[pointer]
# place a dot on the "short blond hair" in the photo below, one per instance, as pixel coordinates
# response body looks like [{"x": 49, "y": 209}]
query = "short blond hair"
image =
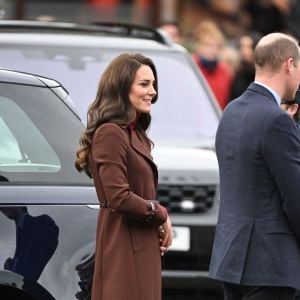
[{"x": 209, "y": 29}]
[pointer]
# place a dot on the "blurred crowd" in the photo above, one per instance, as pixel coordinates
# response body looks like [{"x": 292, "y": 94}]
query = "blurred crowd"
[
  {"x": 222, "y": 42},
  {"x": 220, "y": 34}
]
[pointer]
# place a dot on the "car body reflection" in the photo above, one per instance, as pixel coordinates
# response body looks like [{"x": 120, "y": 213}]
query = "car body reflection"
[{"x": 36, "y": 241}]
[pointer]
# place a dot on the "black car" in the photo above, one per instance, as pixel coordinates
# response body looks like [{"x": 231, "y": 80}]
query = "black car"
[
  {"x": 184, "y": 122},
  {"x": 47, "y": 212}
]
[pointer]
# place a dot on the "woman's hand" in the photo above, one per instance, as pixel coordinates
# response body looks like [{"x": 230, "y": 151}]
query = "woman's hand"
[{"x": 165, "y": 236}]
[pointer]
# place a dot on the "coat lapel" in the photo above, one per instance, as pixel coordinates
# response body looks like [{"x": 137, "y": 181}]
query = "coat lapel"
[
  {"x": 142, "y": 149},
  {"x": 138, "y": 145}
]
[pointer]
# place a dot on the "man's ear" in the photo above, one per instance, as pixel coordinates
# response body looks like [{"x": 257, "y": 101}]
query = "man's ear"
[{"x": 289, "y": 64}]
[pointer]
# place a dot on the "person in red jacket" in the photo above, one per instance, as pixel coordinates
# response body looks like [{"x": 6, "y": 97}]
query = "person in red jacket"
[{"x": 209, "y": 43}]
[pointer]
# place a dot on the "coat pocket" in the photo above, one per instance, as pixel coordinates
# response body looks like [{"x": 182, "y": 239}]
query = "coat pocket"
[
  {"x": 276, "y": 227},
  {"x": 139, "y": 236}
]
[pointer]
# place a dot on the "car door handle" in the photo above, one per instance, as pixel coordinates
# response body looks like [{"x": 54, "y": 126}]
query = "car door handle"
[{"x": 93, "y": 206}]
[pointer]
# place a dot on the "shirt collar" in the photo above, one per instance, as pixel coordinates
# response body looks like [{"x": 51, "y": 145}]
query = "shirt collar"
[{"x": 276, "y": 96}]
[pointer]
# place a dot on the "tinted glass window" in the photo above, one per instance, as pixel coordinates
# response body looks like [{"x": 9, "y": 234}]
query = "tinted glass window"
[
  {"x": 38, "y": 137},
  {"x": 22, "y": 146},
  {"x": 183, "y": 115},
  {"x": 9, "y": 149}
]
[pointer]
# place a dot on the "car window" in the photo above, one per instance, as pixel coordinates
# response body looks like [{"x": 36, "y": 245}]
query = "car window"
[
  {"x": 184, "y": 114},
  {"x": 38, "y": 137},
  {"x": 22, "y": 146},
  {"x": 9, "y": 149}
]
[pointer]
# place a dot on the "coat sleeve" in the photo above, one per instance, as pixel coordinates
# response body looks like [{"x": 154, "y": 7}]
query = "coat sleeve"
[
  {"x": 281, "y": 150},
  {"x": 109, "y": 153}
]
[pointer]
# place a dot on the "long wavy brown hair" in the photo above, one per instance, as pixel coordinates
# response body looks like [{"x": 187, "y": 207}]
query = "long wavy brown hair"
[{"x": 112, "y": 104}]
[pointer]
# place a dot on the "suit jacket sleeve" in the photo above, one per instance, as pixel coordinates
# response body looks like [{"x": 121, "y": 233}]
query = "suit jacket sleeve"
[
  {"x": 109, "y": 153},
  {"x": 281, "y": 149}
]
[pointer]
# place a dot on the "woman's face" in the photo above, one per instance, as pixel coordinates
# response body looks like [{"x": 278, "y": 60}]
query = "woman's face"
[
  {"x": 210, "y": 48},
  {"x": 247, "y": 49},
  {"x": 142, "y": 89}
]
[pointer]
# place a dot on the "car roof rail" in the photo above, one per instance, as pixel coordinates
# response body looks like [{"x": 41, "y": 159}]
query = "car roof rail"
[
  {"x": 19, "y": 24},
  {"x": 114, "y": 28},
  {"x": 134, "y": 30}
]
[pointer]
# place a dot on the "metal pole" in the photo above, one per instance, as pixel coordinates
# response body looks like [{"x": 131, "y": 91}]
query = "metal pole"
[
  {"x": 168, "y": 10},
  {"x": 20, "y": 9}
]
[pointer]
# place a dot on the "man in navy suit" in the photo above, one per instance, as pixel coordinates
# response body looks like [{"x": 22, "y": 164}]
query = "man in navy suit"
[{"x": 256, "y": 252}]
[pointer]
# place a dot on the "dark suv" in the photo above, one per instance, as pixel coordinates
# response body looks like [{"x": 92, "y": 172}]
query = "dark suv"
[
  {"x": 185, "y": 119},
  {"x": 47, "y": 211}
]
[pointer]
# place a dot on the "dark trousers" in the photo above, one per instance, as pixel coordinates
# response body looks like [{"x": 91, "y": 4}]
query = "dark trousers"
[{"x": 245, "y": 292}]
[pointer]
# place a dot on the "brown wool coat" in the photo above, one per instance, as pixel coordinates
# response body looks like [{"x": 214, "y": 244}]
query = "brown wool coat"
[{"x": 127, "y": 262}]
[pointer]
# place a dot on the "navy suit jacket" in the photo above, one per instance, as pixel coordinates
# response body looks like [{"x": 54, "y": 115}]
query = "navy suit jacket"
[{"x": 258, "y": 231}]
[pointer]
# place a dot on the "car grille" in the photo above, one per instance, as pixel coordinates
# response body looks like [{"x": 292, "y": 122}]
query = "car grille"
[
  {"x": 186, "y": 261},
  {"x": 186, "y": 198}
]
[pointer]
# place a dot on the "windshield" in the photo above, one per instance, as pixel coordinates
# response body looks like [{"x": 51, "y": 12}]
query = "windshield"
[{"x": 183, "y": 116}]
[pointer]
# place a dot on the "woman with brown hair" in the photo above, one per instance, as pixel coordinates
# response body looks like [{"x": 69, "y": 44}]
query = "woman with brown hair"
[{"x": 133, "y": 229}]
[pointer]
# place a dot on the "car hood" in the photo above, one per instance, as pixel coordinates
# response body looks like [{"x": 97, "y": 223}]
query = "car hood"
[{"x": 190, "y": 165}]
